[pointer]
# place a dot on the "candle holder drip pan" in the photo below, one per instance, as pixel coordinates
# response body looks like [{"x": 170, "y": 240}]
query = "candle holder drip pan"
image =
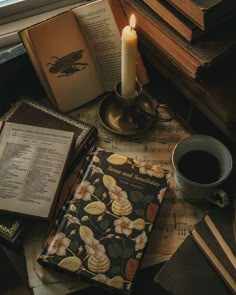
[{"x": 127, "y": 116}]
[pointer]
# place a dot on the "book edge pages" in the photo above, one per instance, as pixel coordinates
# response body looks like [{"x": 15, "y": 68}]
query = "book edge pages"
[
  {"x": 224, "y": 246},
  {"x": 228, "y": 279}
]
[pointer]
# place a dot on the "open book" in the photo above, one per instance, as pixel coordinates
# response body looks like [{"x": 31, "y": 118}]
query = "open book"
[
  {"x": 77, "y": 54},
  {"x": 33, "y": 117},
  {"x": 33, "y": 161}
]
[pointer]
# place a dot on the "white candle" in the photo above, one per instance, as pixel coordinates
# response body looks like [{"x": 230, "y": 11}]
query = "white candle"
[{"x": 128, "y": 60}]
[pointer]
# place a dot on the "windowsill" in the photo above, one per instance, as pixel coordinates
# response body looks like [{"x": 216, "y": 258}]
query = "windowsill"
[{"x": 9, "y": 31}]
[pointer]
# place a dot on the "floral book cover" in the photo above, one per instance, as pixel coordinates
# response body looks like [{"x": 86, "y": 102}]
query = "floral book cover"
[{"x": 103, "y": 230}]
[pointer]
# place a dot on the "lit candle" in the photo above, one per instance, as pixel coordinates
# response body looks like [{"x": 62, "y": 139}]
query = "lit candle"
[{"x": 128, "y": 60}]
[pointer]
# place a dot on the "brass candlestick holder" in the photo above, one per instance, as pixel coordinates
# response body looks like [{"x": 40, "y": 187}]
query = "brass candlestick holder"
[{"x": 127, "y": 116}]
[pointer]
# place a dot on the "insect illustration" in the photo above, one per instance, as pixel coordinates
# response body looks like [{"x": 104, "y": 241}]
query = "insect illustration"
[{"x": 68, "y": 64}]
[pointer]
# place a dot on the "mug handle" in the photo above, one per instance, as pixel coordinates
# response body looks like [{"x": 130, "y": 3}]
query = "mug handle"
[{"x": 219, "y": 197}]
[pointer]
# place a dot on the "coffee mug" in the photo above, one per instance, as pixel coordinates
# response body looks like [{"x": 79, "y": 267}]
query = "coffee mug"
[{"x": 201, "y": 164}]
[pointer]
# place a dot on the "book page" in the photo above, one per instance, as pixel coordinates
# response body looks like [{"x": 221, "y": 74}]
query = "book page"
[
  {"x": 98, "y": 24},
  {"x": 32, "y": 160},
  {"x": 64, "y": 59}
]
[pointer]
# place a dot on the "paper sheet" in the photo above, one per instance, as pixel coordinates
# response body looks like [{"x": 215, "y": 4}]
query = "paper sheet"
[
  {"x": 176, "y": 216},
  {"x": 43, "y": 280}
]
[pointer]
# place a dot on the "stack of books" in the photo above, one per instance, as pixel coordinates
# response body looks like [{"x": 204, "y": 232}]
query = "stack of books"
[
  {"x": 193, "y": 46},
  {"x": 206, "y": 260}
]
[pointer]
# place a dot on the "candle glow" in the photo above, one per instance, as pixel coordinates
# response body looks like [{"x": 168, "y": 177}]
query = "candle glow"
[
  {"x": 128, "y": 60},
  {"x": 132, "y": 21}
]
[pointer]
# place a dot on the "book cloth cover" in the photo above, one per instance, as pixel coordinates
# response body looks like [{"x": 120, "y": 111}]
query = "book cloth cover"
[
  {"x": 103, "y": 231},
  {"x": 189, "y": 272},
  {"x": 214, "y": 236}
]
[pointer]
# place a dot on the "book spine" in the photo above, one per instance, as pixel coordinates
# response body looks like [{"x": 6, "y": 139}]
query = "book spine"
[
  {"x": 76, "y": 163},
  {"x": 76, "y": 175},
  {"x": 10, "y": 230}
]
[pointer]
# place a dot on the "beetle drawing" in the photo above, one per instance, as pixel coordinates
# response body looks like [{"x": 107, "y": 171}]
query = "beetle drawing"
[{"x": 68, "y": 64}]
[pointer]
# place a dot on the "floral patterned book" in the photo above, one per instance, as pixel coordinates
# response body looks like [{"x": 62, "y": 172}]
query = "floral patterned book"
[{"x": 102, "y": 232}]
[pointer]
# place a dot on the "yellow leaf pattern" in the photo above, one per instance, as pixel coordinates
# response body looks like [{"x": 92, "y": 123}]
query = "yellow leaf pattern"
[
  {"x": 70, "y": 263},
  {"x": 117, "y": 159},
  {"x": 123, "y": 207},
  {"x": 85, "y": 232},
  {"x": 108, "y": 181},
  {"x": 95, "y": 208},
  {"x": 98, "y": 264},
  {"x": 139, "y": 223}
]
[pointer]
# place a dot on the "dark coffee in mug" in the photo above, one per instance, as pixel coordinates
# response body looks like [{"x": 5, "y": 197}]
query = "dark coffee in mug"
[{"x": 200, "y": 166}]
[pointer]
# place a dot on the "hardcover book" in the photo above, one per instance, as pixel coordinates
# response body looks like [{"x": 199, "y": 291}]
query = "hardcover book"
[
  {"x": 205, "y": 97},
  {"x": 175, "y": 19},
  {"x": 103, "y": 231},
  {"x": 189, "y": 272},
  {"x": 77, "y": 49},
  {"x": 194, "y": 59},
  {"x": 215, "y": 237},
  {"x": 205, "y": 262},
  {"x": 205, "y": 13}
]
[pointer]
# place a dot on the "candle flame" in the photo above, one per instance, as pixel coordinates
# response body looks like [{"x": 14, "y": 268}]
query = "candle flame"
[{"x": 132, "y": 21}]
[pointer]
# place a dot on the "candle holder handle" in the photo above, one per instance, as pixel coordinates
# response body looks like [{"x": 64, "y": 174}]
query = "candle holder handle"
[{"x": 127, "y": 116}]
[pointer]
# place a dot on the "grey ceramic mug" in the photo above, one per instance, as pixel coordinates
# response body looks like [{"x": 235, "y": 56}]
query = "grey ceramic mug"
[{"x": 196, "y": 192}]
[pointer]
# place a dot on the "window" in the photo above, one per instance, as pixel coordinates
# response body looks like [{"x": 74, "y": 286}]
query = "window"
[
  {"x": 15, "y": 15},
  {"x": 11, "y": 10}
]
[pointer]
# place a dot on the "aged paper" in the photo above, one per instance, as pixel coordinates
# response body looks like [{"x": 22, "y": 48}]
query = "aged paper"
[
  {"x": 103, "y": 38},
  {"x": 32, "y": 161},
  {"x": 43, "y": 280},
  {"x": 176, "y": 216}
]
